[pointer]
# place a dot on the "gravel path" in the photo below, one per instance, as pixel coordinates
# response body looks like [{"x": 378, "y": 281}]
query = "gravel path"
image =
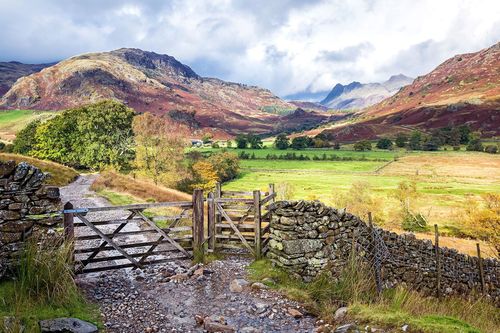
[{"x": 177, "y": 297}]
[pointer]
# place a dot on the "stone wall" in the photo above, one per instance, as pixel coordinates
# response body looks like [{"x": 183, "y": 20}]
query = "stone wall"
[
  {"x": 308, "y": 237},
  {"x": 24, "y": 203}
]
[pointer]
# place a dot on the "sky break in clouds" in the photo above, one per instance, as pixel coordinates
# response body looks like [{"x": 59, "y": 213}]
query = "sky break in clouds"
[{"x": 286, "y": 46}]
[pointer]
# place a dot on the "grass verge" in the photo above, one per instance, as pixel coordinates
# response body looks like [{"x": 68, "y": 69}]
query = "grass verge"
[
  {"x": 138, "y": 188},
  {"x": 44, "y": 289},
  {"x": 60, "y": 175},
  {"x": 392, "y": 309}
]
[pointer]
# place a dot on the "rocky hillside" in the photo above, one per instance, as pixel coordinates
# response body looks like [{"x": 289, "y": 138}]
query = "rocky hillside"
[
  {"x": 463, "y": 89},
  {"x": 357, "y": 95},
  {"x": 150, "y": 82},
  {"x": 13, "y": 70}
]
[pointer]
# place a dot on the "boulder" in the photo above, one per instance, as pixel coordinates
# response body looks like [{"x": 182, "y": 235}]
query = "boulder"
[
  {"x": 340, "y": 313},
  {"x": 237, "y": 285},
  {"x": 67, "y": 325},
  {"x": 7, "y": 168}
]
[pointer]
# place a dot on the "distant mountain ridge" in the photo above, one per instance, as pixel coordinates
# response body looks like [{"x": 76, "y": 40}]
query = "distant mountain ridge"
[
  {"x": 13, "y": 70},
  {"x": 464, "y": 89},
  {"x": 356, "y": 95},
  {"x": 156, "y": 83}
]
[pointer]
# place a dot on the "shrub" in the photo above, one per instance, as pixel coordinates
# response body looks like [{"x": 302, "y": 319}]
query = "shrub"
[
  {"x": 491, "y": 149},
  {"x": 336, "y": 146},
  {"x": 254, "y": 141},
  {"x": 215, "y": 145},
  {"x": 401, "y": 140},
  {"x": 225, "y": 164},
  {"x": 475, "y": 145},
  {"x": 384, "y": 143},
  {"x": 363, "y": 145},
  {"x": 282, "y": 142},
  {"x": 301, "y": 142},
  {"x": 456, "y": 148},
  {"x": 415, "y": 142},
  {"x": 241, "y": 141}
]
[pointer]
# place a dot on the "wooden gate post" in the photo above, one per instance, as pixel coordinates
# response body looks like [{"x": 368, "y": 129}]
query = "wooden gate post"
[
  {"x": 211, "y": 221},
  {"x": 480, "y": 266},
  {"x": 69, "y": 229},
  {"x": 198, "y": 236},
  {"x": 257, "y": 224},
  {"x": 271, "y": 191},
  {"x": 218, "y": 216},
  {"x": 438, "y": 262}
]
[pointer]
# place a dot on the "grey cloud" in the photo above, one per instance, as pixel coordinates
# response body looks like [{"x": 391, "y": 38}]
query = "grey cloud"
[{"x": 347, "y": 54}]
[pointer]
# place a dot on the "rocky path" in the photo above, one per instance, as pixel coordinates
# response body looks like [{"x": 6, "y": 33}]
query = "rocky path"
[{"x": 177, "y": 297}]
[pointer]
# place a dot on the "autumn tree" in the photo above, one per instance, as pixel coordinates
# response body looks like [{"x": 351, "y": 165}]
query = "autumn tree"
[{"x": 159, "y": 148}]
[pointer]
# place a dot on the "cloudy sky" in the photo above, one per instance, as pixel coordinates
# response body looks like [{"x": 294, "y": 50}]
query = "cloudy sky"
[{"x": 287, "y": 46}]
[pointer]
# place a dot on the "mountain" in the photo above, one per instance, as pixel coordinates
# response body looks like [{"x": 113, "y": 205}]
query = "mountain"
[
  {"x": 13, "y": 70},
  {"x": 464, "y": 89},
  {"x": 357, "y": 95},
  {"x": 156, "y": 83}
]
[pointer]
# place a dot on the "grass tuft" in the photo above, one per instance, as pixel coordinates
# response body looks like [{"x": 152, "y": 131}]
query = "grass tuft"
[
  {"x": 44, "y": 288},
  {"x": 355, "y": 288}
]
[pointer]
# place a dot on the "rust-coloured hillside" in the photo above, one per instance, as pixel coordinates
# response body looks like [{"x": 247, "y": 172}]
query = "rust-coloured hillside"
[
  {"x": 156, "y": 83},
  {"x": 463, "y": 89}
]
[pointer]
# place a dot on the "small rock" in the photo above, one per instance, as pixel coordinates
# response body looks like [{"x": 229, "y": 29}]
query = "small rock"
[
  {"x": 179, "y": 277},
  {"x": 217, "y": 324},
  {"x": 71, "y": 325},
  {"x": 294, "y": 313},
  {"x": 340, "y": 313},
  {"x": 237, "y": 285},
  {"x": 405, "y": 328},
  {"x": 249, "y": 329},
  {"x": 199, "y": 320},
  {"x": 259, "y": 285},
  {"x": 347, "y": 328}
]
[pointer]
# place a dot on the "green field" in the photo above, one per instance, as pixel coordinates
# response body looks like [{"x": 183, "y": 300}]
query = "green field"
[
  {"x": 370, "y": 155},
  {"x": 445, "y": 180},
  {"x": 12, "y": 121}
]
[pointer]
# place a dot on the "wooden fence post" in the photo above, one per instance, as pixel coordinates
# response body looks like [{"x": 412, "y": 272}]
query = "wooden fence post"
[
  {"x": 257, "y": 224},
  {"x": 376, "y": 262},
  {"x": 438, "y": 261},
  {"x": 211, "y": 221},
  {"x": 69, "y": 229},
  {"x": 198, "y": 236},
  {"x": 271, "y": 191},
  {"x": 480, "y": 266},
  {"x": 218, "y": 216}
]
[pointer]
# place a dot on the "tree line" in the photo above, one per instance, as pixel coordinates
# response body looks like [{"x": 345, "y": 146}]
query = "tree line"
[{"x": 109, "y": 134}]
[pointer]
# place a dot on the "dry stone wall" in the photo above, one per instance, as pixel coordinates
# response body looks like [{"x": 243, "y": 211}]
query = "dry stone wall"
[
  {"x": 24, "y": 204},
  {"x": 309, "y": 237}
]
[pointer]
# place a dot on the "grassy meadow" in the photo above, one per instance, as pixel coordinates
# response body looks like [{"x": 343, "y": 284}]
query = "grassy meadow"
[
  {"x": 445, "y": 182},
  {"x": 12, "y": 121}
]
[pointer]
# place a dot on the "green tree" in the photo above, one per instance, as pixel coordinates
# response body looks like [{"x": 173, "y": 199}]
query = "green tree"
[
  {"x": 465, "y": 133},
  {"x": 282, "y": 142},
  {"x": 300, "y": 142},
  {"x": 415, "y": 142},
  {"x": 384, "y": 143},
  {"x": 225, "y": 164},
  {"x": 475, "y": 145},
  {"x": 363, "y": 145},
  {"x": 25, "y": 140},
  {"x": 401, "y": 140},
  {"x": 432, "y": 143},
  {"x": 206, "y": 138},
  {"x": 241, "y": 141},
  {"x": 91, "y": 136},
  {"x": 254, "y": 141}
]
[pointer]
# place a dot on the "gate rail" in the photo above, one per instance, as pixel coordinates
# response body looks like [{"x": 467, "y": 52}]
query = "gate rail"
[{"x": 111, "y": 252}]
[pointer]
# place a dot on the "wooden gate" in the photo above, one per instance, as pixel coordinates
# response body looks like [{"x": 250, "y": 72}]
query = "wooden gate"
[
  {"x": 239, "y": 220},
  {"x": 133, "y": 239}
]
